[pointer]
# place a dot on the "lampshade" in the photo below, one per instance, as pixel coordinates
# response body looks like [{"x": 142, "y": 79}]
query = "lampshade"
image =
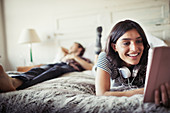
[{"x": 28, "y": 36}]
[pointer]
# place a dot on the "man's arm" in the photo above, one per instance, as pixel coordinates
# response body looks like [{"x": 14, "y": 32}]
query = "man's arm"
[
  {"x": 64, "y": 50},
  {"x": 86, "y": 65}
]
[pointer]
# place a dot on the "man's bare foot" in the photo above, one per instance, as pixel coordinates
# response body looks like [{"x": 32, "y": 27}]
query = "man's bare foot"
[{"x": 6, "y": 83}]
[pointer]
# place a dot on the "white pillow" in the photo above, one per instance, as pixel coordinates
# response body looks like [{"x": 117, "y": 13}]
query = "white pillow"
[
  {"x": 90, "y": 52},
  {"x": 59, "y": 55},
  {"x": 154, "y": 41}
]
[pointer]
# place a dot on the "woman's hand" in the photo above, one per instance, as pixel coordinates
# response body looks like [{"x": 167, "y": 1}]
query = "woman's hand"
[{"x": 162, "y": 95}]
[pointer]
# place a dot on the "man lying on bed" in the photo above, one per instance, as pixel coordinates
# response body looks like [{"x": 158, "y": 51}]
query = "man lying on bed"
[{"x": 71, "y": 61}]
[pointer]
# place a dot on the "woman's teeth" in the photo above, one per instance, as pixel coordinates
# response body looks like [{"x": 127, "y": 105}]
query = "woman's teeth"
[{"x": 132, "y": 55}]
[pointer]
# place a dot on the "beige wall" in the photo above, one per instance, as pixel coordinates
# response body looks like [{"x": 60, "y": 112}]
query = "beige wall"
[{"x": 50, "y": 17}]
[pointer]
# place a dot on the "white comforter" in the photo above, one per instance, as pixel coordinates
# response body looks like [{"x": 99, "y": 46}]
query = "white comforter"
[{"x": 72, "y": 93}]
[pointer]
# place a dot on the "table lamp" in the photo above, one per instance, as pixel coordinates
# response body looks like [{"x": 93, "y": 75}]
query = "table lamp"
[{"x": 29, "y": 36}]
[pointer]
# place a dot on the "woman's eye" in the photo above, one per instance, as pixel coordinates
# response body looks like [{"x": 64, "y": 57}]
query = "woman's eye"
[
  {"x": 126, "y": 43},
  {"x": 139, "y": 41}
]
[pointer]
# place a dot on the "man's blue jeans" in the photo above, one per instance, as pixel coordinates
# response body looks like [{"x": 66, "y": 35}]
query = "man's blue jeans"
[{"x": 43, "y": 73}]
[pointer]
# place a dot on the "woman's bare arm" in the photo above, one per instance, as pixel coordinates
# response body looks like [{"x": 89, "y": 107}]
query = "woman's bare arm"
[{"x": 102, "y": 84}]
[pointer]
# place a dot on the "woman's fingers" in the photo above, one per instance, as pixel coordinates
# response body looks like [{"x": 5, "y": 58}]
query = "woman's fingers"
[
  {"x": 164, "y": 95},
  {"x": 168, "y": 89},
  {"x": 157, "y": 97},
  {"x": 167, "y": 85}
]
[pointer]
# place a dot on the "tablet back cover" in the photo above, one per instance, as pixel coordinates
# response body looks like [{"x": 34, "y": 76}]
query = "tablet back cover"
[{"x": 158, "y": 72}]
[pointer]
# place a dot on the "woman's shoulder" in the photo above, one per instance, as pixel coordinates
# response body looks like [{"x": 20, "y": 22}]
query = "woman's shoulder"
[
  {"x": 102, "y": 55},
  {"x": 103, "y": 62},
  {"x": 104, "y": 58}
]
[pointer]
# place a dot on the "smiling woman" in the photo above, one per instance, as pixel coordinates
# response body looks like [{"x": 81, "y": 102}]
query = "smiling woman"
[
  {"x": 123, "y": 64},
  {"x": 126, "y": 46}
]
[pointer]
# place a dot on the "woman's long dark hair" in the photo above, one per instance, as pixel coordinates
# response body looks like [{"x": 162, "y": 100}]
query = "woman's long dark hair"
[{"x": 117, "y": 31}]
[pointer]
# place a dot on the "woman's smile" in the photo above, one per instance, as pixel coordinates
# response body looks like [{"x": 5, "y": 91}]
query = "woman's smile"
[{"x": 133, "y": 55}]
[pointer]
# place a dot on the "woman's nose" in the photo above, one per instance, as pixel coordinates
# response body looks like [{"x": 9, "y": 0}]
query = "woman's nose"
[{"x": 133, "y": 47}]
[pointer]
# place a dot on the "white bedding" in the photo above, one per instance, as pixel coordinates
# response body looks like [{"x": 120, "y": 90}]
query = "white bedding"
[{"x": 72, "y": 93}]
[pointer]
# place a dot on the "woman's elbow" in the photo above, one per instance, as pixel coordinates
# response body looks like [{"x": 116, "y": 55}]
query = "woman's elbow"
[{"x": 100, "y": 93}]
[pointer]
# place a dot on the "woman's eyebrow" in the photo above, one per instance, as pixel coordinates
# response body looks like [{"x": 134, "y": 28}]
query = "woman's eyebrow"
[
  {"x": 139, "y": 37},
  {"x": 130, "y": 38}
]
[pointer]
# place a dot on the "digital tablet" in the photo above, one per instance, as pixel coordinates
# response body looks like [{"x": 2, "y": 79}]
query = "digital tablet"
[{"x": 158, "y": 71}]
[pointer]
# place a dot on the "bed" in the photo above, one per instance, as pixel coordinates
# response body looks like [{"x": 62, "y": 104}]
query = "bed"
[{"x": 72, "y": 93}]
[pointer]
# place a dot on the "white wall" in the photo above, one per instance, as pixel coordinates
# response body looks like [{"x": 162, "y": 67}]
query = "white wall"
[
  {"x": 50, "y": 17},
  {"x": 3, "y": 61}
]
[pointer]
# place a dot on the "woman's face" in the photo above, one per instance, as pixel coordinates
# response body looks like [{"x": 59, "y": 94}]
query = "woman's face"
[{"x": 129, "y": 47}]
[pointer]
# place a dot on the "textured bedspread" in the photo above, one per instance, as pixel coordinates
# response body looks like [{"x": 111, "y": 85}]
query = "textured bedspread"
[{"x": 72, "y": 93}]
